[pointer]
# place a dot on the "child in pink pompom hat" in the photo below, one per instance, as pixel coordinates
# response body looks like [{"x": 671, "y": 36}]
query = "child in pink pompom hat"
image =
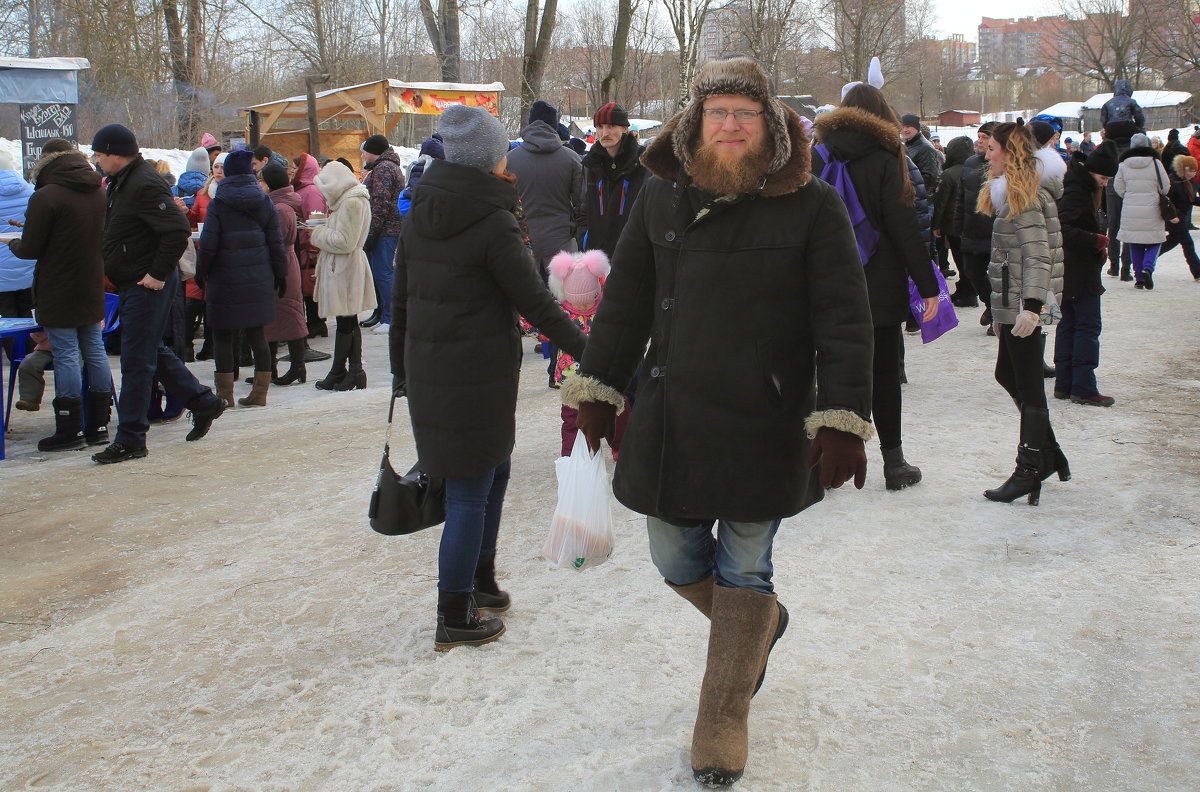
[{"x": 577, "y": 281}]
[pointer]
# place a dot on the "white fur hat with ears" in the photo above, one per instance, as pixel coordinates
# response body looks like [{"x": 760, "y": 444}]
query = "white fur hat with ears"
[{"x": 578, "y": 277}]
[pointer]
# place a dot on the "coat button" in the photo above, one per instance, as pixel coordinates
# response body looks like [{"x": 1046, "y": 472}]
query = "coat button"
[
  {"x": 655, "y": 372},
  {"x": 666, "y": 303},
  {"x": 670, "y": 236}
]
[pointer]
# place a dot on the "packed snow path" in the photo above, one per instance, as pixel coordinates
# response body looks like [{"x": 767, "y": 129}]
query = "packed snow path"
[{"x": 220, "y": 617}]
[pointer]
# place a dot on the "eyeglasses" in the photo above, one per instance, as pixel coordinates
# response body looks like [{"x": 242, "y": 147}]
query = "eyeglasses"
[{"x": 718, "y": 116}]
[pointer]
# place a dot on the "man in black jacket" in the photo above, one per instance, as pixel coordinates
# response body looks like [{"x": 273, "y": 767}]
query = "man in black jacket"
[
  {"x": 145, "y": 233},
  {"x": 731, "y": 231},
  {"x": 921, "y": 152},
  {"x": 976, "y": 226},
  {"x": 613, "y": 177}
]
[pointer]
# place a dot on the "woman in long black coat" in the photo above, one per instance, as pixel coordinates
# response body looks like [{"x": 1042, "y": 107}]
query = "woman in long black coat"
[
  {"x": 865, "y": 133},
  {"x": 241, "y": 264},
  {"x": 463, "y": 273}
]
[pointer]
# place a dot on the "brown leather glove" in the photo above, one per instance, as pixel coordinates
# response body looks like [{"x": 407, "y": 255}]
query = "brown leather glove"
[
  {"x": 598, "y": 420},
  {"x": 841, "y": 455}
]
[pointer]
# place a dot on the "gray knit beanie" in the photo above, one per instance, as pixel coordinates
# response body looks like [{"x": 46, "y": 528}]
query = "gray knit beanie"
[
  {"x": 472, "y": 136},
  {"x": 1139, "y": 141}
]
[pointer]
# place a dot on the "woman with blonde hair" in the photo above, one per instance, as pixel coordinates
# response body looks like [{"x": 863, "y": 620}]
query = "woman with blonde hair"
[{"x": 1026, "y": 273}]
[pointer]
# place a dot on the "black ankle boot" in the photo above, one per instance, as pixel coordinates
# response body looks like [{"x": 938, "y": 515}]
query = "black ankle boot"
[
  {"x": 897, "y": 473},
  {"x": 458, "y": 623},
  {"x": 488, "y": 595},
  {"x": 341, "y": 351}
]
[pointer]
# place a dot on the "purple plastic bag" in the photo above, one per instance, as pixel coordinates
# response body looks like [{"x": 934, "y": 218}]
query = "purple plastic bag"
[{"x": 945, "y": 320}]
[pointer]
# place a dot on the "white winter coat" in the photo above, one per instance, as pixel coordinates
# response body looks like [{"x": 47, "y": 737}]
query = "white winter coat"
[
  {"x": 1139, "y": 182},
  {"x": 344, "y": 286}
]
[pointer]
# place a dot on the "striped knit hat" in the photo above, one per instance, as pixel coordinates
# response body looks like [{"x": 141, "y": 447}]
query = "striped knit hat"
[{"x": 613, "y": 114}]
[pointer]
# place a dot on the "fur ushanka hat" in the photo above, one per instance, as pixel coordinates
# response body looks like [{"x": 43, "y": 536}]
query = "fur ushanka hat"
[{"x": 740, "y": 76}]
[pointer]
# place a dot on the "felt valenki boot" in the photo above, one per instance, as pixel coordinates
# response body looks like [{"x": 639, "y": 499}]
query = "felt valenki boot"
[
  {"x": 258, "y": 391},
  {"x": 743, "y": 622},
  {"x": 700, "y": 594}
]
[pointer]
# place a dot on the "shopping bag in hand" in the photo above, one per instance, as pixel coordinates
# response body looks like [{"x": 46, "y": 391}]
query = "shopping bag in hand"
[{"x": 581, "y": 532}]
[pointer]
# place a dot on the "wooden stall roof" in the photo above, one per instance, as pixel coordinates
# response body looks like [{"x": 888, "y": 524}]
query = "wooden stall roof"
[{"x": 379, "y": 103}]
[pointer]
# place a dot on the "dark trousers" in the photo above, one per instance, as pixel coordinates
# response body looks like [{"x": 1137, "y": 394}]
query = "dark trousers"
[
  {"x": 225, "y": 349},
  {"x": 975, "y": 268},
  {"x": 885, "y": 396},
  {"x": 144, "y": 316},
  {"x": 1019, "y": 366},
  {"x": 1117, "y": 253},
  {"x": 474, "y": 506},
  {"x": 1178, "y": 234},
  {"x": 1077, "y": 346}
]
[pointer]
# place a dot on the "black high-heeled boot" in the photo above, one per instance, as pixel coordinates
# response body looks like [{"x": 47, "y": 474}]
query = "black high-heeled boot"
[
  {"x": 356, "y": 378},
  {"x": 1026, "y": 478},
  {"x": 297, "y": 372},
  {"x": 337, "y": 372},
  {"x": 1054, "y": 460}
]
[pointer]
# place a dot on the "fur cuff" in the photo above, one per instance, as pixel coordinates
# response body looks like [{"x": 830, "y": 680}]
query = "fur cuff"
[
  {"x": 842, "y": 420},
  {"x": 579, "y": 389}
]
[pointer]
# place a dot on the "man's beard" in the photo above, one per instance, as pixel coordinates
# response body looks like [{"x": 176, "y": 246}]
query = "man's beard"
[{"x": 719, "y": 175}]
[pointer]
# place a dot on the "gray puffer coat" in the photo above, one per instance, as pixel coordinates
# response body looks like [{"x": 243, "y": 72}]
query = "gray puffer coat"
[
  {"x": 1140, "y": 181},
  {"x": 1027, "y": 256}
]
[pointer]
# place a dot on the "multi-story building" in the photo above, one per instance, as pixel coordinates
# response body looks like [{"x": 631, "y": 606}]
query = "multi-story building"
[
  {"x": 719, "y": 26},
  {"x": 1006, "y": 44},
  {"x": 957, "y": 53}
]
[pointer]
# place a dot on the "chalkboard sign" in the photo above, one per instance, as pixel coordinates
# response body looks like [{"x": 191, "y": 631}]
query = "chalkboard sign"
[{"x": 39, "y": 123}]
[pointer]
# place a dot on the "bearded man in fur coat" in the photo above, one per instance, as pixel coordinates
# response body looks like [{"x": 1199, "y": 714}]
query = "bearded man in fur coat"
[{"x": 742, "y": 273}]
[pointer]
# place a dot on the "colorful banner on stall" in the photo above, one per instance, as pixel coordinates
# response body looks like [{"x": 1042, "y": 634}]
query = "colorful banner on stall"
[{"x": 425, "y": 102}]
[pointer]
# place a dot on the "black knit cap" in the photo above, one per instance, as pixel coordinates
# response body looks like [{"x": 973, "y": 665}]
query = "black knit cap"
[
  {"x": 910, "y": 120},
  {"x": 376, "y": 144},
  {"x": 613, "y": 114},
  {"x": 1042, "y": 132},
  {"x": 1103, "y": 159},
  {"x": 115, "y": 139},
  {"x": 275, "y": 176}
]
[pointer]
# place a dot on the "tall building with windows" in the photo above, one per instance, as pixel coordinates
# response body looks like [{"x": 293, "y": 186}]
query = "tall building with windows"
[
  {"x": 958, "y": 53},
  {"x": 1006, "y": 44}
]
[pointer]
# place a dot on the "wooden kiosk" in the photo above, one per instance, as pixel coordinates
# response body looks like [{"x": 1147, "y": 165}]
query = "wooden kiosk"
[{"x": 375, "y": 107}]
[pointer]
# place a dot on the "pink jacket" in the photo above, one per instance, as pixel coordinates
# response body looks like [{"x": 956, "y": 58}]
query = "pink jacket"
[{"x": 311, "y": 199}]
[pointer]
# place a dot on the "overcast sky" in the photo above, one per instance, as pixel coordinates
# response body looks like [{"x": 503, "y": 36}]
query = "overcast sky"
[{"x": 963, "y": 16}]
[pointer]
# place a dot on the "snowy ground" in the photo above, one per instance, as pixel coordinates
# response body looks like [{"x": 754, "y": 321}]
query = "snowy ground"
[{"x": 219, "y": 616}]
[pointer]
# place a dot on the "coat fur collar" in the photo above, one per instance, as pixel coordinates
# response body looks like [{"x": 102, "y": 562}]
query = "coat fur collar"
[
  {"x": 1141, "y": 151},
  {"x": 661, "y": 160},
  {"x": 853, "y": 119},
  {"x": 36, "y": 170}
]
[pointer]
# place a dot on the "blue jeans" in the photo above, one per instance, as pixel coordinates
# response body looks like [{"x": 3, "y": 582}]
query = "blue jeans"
[
  {"x": 739, "y": 556},
  {"x": 383, "y": 261},
  {"x": 473, "y": 509},
  {"x": 144, "y": 316},
  {"x": 1077, "y": 346},
  {"x": 68, "y": 344}
]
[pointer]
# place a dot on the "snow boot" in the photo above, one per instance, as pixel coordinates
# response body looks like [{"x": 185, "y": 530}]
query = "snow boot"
[
  {"x": 68, "y": 426},
  {"x": 341, "y": 351},
  {"x": 1027, "y": 477},
  {"x": 258, "y": 391},
  {"x": 743, "y": 621},
  {"x": 701, "y": 596},
  {"x": 202, "y": 418},
  {"x": 458, "y": 623},
  {"x": 898, "y": 474},
  {"x": 224, "y": 386},
  {"x": 99, "y": 413},
  {"x": 488, "y": 596},
  {"x": 1126, "y": 273}
]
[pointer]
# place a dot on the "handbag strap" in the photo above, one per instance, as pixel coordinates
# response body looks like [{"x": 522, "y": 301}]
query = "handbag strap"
[{"x": 387, "y": 438}]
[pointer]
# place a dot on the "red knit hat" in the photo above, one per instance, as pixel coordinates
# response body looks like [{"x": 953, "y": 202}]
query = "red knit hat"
[{"x": 612, "y": 113}]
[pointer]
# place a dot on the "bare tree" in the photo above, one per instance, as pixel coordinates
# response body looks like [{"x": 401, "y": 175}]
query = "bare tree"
[
  {"x": 539, "y": 33},
  {"x": 1100, "y": 39},
  {"x": 620, "y": 45},
  {"x": 687, "y": 21},
  {"x": 864, "y": 29},
  {"x": 764, "y": 29},
  {"x": 1175, "y": 45},
  {"x": 445, "y": 34}
]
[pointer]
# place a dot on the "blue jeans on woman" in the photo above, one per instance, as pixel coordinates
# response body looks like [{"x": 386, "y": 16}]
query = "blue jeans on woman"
[
  {"x": 69, "y": 344},
  {"x": 473, "y": 509},
  {"x": 739, "y": 556}
]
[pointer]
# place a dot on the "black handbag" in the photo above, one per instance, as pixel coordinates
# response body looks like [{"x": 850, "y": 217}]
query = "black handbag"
[{"x": 405, "y": 504}]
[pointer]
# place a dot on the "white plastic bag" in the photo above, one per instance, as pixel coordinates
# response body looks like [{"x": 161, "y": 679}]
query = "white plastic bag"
[{"x": 581, "y": 532}]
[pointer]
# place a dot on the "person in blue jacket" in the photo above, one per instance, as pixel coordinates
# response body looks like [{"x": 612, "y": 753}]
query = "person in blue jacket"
[
  {"x": 16, "y": 275},
  {"x": 192, "y": 180},
  {"x": 430, "y": 150}
]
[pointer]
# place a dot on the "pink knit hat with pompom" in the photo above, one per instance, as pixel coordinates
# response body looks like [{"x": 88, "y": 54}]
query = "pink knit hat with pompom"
[{"x": 577, "y": 277}]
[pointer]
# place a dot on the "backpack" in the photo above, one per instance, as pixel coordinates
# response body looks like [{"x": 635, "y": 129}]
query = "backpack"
[{"x": 835, "y": 174}]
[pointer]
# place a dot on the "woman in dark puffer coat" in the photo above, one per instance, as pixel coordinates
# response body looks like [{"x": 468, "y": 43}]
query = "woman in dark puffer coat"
[
  {"x": 462, "y": 275},
  {"x": 866, "y": 134},
  {"x": 241, "y": 264}
]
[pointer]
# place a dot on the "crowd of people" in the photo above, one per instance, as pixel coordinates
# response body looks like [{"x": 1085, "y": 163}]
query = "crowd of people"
[{"x": 629, "y": 263}]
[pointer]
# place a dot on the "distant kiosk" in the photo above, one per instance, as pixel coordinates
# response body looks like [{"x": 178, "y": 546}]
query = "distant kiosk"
[{"x": 46, "y": 90}]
